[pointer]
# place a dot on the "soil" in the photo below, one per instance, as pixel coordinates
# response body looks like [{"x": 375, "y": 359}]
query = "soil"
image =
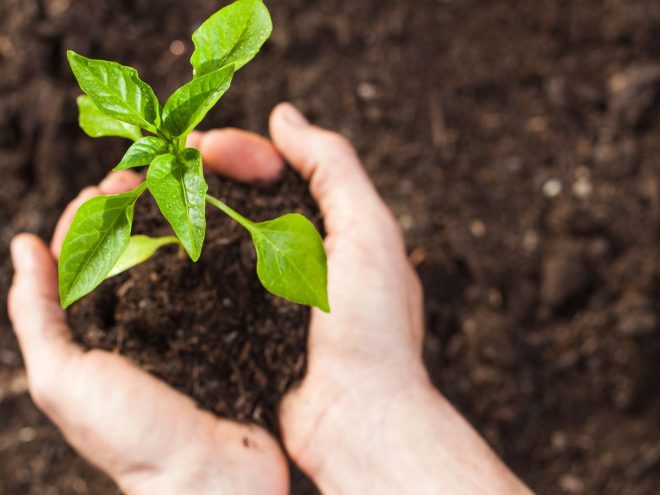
[
  {"x": 517, "y": 143},
  {"x": 208, "y": 328}
]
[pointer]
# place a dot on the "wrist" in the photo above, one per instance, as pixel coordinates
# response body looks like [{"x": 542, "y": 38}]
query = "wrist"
[{"x": 411, "y": 440}]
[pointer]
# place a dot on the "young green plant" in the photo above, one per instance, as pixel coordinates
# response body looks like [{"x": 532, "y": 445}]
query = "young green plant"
[{"x": 291, "y": 260}]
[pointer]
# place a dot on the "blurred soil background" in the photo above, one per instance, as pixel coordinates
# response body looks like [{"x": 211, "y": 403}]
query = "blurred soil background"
[{"x": 518, "y": 143}]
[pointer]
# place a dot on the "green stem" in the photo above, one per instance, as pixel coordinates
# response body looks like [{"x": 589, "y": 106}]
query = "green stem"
[
  {"x": 180, "y": 144},
  {"x": 249, "y": 225}
]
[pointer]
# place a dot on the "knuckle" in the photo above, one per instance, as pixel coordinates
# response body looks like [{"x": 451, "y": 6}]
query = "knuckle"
[{"x": 338, "y": 143}]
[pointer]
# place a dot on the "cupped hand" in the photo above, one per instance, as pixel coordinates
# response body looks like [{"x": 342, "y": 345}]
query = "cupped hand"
[
  {"x": 366, "y": 418},
  {"x": 145, "y": 435}
]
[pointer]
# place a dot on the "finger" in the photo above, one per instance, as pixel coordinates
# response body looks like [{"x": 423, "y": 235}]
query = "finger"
[
  {"x": 241, "y": 155},
  {"x": 114, "y": 183},
  {"x": 34, "y": 309},
  {"x": 66, "y": 218},
  {"x": 193, "y": 139},
  {"x": 338, "y": 182},
  {"x": 120, "y": 182}
]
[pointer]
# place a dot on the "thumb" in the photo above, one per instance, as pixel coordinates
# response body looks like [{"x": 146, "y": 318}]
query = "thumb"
[
  {"x": 337, "y": 180},
  {"x": 38, "y": 319}
]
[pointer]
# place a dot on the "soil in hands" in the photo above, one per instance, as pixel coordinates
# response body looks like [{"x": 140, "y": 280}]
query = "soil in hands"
[{"x": 208, "y": 328}]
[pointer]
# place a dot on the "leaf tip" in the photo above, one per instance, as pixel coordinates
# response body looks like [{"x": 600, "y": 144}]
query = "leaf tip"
[
  {"x": 65, "y": 300},
  {"x": 72, "y": 56},
  {"x": 324, "y": 305}
]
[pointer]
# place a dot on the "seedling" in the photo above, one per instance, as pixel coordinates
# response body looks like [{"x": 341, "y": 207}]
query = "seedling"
[{"x": 291, "y": 260}]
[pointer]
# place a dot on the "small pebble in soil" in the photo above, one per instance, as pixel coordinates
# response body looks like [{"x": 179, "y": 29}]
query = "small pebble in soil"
[
  {"x": 406, "y": 221},
  {"x": 477, "y": 228},
  {"x": 367, "y": 91},
  {"x": 536, "y": 124},
  {"x": 582, "y": 188},
  {"x": 559, "y": 440},
  {"x": 565, "y": 277},
  {"x": 27, "y": 434},
  {"x": 530, "y": 241},
  {"x": 570, "y": 483},
  {"x": 551, "y": 188}
]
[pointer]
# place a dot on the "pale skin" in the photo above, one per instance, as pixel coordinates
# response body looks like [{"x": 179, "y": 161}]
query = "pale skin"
[{"x": 366, "y": 418}]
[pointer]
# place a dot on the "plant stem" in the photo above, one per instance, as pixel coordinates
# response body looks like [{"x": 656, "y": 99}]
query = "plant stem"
[{"x": 249, "y": 225}]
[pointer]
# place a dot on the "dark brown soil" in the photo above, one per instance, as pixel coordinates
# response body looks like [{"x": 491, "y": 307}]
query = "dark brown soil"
[{"x": 518, "y": 144}]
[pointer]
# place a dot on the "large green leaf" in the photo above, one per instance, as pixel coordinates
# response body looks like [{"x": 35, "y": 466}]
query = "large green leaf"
[
  {"x": 142, "y": 152},
  {"x": 232, "y": 36},
  {"x": 140, "y": 249},
  {"x": 117, "y": 91},
  {"x": 98, "y": 236},
  {"x": 179, "y": 188},
  {"x": 291, "y": 258},
  {"x": 97, "y": 124},
  {"x": 189, "y": 104}
]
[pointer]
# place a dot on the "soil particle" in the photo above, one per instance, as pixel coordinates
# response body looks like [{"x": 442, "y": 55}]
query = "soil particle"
[
  {"x": 566, "y": 277},
  {"x": 633, "y": 94}
]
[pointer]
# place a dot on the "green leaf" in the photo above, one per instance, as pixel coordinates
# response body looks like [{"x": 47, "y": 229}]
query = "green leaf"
[
  {"x": 291, "y": 259},
  {"x": 233, "y": 35},
  {"x": 189, "y": 104},
  {"x": 142, "y": 152},
  {"x": 179, "y": 188},
  {"x": 97, "y": 124},
  {"x": 98, "y": 235},
  {"x": 140, "y": 249},
  {"x": 117, "y": 91}
]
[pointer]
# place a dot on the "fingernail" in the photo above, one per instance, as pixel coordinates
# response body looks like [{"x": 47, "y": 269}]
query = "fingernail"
[
  {"x": 293, "y": 116},
  {"x": 20, "y": 254}
]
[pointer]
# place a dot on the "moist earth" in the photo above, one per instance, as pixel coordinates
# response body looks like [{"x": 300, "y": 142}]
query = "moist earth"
[{"x": 517, "y": 143}]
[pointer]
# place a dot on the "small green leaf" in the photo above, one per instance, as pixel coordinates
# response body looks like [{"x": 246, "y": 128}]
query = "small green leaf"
[
  {"x": 97, "y": 124},
  {"x": 117, "y": 91},
  {"x": 291, "y": 258},
  {"x": 231, "y": 36},
  {"x": 98, "y": 235},
  {"x": 179, "y": 188},
  {"x": 140, "y": 249},
  {"x": 142, "y": 152},
  {"x": 189, "y": 104}
]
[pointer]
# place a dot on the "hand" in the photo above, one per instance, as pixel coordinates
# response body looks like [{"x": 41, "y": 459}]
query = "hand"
[
  {"x": 146, "y": 436},
  {"x": 366, "y": 419}
]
